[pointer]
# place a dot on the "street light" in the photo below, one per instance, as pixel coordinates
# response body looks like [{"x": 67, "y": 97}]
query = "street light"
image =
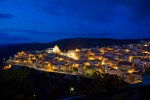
[{"x": 71, "y": 89}]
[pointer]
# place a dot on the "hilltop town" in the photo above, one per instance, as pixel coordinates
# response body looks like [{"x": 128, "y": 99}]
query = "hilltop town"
[{"x": 128, "y": 61}]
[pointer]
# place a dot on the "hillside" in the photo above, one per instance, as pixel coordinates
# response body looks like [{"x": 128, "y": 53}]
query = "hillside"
[
  {"x": 6, "y": 45},
  {"x": 65, "y": 44}
]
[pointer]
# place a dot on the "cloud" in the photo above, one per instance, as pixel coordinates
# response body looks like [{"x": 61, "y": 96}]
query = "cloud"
[
  {"x": 6, "y": 16},
  {"x": 96, "y": 10},
  {"x": 81, "y": 33},
  {"x": 142, "y": 9}
]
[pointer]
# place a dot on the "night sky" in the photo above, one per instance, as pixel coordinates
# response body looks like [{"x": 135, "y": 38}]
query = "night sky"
[{"x": 49, "y": 20}]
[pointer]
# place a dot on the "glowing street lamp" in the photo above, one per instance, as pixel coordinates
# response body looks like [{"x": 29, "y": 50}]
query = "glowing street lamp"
[
  {"x": 116, "y": 68},
  {"x": 71, "y": 89}
]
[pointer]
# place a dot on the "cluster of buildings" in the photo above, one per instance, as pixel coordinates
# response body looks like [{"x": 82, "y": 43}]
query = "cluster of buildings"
[{"x": 128, "y": 61}]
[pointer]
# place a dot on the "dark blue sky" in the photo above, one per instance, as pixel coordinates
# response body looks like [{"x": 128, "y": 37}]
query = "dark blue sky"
[{"x": 49, "y": 20}]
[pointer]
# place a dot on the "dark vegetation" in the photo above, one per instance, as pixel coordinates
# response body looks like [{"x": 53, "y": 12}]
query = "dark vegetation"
[
  {"x": 147, "y": 70},
  {"x": 65, "y": 44},
  {"x": 29, "y": 84}
]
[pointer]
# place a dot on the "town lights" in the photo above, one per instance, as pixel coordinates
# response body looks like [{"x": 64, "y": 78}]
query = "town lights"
[
  {"x": 77, "y": 50},
  {"x": 116, "y": 68},
  {"x": 76, "y": 58},
  {"x": 145, "y": 45},
  {"x": 87, "y": 64},
  {"x": 103, "y": 63},
  {"x": 17, "y": 61},
  {"x": 72, "y": 55},
  {"x": 91, "y": 58},
  {"x": 60, "y": 59},
  {"x": 56, "y": 49},
  {"x": 33, "y": 58},
  {"x": 130, "y": 58},
  {"x": 131, "y": 71},
  {"x": 127, "y": 50}
]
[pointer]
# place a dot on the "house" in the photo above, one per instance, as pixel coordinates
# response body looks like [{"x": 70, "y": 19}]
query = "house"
[
  {"x": 80, "y": 70},
  {"x": 124, "y": 65},
  {"x": 144, "y": 63},
  {"x": 135, "y": 60}
]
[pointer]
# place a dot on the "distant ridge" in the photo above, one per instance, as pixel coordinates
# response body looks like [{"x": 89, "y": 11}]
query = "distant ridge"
[
  {"x": 66, "y": 44},
  {"x": 6, "y": 45}
]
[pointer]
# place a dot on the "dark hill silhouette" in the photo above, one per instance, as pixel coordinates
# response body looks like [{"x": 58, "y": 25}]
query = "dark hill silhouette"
[
  {"x": 66, "y": 44},
  {"x": 6, "y": 45}
]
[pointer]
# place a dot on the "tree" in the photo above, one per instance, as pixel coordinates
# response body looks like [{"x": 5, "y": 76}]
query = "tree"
[
  {"x": 96, "y": 74},
  {"x": 75, "y": 69},
  {"x": 147, "y": 70},
  {"x": 14, "y": 85}
]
